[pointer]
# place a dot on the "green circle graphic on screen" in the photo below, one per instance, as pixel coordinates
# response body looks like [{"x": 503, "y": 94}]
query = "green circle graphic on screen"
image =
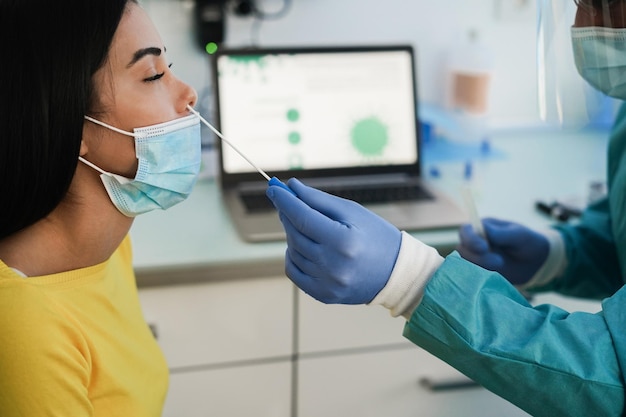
[
  {"x": 369, "y": 136},
  {"x": 293, "y": 115},
  {"x": 294, "y": 138}
]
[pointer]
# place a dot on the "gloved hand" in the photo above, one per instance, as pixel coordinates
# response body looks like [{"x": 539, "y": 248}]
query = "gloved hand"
[
  {"x": 338, "y": 252},
  {"x": 513, "y": 250}
]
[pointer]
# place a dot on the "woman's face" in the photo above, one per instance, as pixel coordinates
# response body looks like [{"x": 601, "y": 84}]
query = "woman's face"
[{"x": 134, "y": 88}]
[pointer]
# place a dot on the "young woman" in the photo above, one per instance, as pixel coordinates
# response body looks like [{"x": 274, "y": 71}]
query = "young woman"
[{"x": 76, "y": 165}]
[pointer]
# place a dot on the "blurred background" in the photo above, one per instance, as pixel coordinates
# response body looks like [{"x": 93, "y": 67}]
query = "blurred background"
[{"x": 501, "y": 35}]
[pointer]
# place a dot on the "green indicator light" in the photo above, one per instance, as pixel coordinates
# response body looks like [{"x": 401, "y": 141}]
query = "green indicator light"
[{"x": 211, "y": 48}]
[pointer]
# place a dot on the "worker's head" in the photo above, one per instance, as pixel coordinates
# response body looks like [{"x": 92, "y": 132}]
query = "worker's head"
[
  {"x": 581, "y": 40},
  {"x": 600, "y": 13}
]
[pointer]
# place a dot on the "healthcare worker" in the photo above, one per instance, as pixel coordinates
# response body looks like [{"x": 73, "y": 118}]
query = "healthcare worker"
[
  {"x": 545, "y": 360},
  {"x": 94, "y": 130}
]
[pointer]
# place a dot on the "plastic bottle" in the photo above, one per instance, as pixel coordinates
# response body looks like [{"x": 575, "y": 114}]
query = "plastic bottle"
[{"x": 469, "y": 70}]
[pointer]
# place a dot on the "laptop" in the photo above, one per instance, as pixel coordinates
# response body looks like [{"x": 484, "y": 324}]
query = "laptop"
[{"x": 341, "y": 119}]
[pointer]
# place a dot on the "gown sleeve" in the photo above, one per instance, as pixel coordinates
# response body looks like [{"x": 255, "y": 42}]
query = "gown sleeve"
[
  {"x": 593, "y": 268},
  {"x": 543, "y": 359},
  {"x": 594, "y": 244}
]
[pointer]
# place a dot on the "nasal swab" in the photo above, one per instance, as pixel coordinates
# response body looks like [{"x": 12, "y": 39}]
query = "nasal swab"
[
  {"x": 271, "y": 180},
  {"x": 267, "y": 177},
  {"x": 475, "y": 221}
]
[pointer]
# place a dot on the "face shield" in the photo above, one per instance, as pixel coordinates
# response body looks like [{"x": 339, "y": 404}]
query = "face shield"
[{"x": 581, "y": 57}]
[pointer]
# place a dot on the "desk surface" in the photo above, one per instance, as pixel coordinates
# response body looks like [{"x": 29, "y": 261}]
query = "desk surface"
[{"x": 196, "y": 239}]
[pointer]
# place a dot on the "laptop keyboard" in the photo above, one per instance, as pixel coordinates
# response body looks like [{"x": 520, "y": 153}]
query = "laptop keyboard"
[{"x": 257, "y": 202}]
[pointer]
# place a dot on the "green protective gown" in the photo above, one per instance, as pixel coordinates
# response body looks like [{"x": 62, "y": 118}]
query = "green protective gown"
[{"x": 545, "y": 360}]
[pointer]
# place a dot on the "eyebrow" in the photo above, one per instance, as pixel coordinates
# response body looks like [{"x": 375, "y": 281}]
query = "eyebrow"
[{"x": 143, "y": 52}]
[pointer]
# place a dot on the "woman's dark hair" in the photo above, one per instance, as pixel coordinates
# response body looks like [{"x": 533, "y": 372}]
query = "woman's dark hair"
[{"x": 50, "y": 52}]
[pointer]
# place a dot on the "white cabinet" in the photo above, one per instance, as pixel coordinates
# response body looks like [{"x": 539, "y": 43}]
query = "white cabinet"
[
  {"x": 354, "y": 361},
  {"x": 223, "y": 321},
  {"x": 262, "y": 390},
  {"x": 387, "y": 383},
  {"x": 323, "y": 328},
  {"x": 228, "y": 345},
  {"x": 234, "y": 350}
]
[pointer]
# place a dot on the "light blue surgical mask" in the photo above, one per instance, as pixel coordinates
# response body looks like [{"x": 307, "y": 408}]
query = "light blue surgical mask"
[
  {"x": 600, "y": 56},
  {"x": 169, "y": 163}
]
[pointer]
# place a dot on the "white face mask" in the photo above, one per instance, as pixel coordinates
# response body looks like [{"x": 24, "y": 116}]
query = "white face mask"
[
  {"x": 169, "y": 157},
  {"x": 600, "y": 56}
]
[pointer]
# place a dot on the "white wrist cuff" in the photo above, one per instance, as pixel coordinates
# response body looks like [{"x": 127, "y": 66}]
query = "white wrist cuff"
[
  {"x": 416, "y": 264},
  {"x": 555, "y": 263}
]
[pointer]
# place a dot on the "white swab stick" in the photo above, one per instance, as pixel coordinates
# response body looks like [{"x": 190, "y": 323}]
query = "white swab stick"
[{"x": 191, "y": 109}]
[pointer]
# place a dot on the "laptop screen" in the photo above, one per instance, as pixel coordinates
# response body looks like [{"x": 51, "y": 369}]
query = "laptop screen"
[{"x": 317, "y": 109}]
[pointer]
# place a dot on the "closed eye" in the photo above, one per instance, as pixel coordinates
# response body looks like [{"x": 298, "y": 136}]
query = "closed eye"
[{"x": 156, "y": 76}]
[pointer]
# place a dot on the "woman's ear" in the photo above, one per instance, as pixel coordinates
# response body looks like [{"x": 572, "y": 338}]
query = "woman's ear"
[{"x": 83, "y": 148}]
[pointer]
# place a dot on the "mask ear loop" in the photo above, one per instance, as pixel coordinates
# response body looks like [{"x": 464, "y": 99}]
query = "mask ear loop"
[
  {"x": 119, "y": 178},
  {"x": 86, "y": 162},
  {"x": 115, "y": 129}
]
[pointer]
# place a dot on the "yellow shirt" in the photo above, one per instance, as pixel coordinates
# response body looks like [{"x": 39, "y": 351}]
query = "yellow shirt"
[{"x": 76, "y": 344}]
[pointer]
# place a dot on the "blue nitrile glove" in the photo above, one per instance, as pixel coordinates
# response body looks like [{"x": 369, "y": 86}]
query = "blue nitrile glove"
[
  {"x": 515, "y": 251},
  {"x": 338, "y": 252}
]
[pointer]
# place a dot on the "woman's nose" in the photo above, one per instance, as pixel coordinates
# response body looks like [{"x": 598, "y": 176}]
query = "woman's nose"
[
  {"x": 188, "y": 96},
  {"x": 192, "y": 98}
]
